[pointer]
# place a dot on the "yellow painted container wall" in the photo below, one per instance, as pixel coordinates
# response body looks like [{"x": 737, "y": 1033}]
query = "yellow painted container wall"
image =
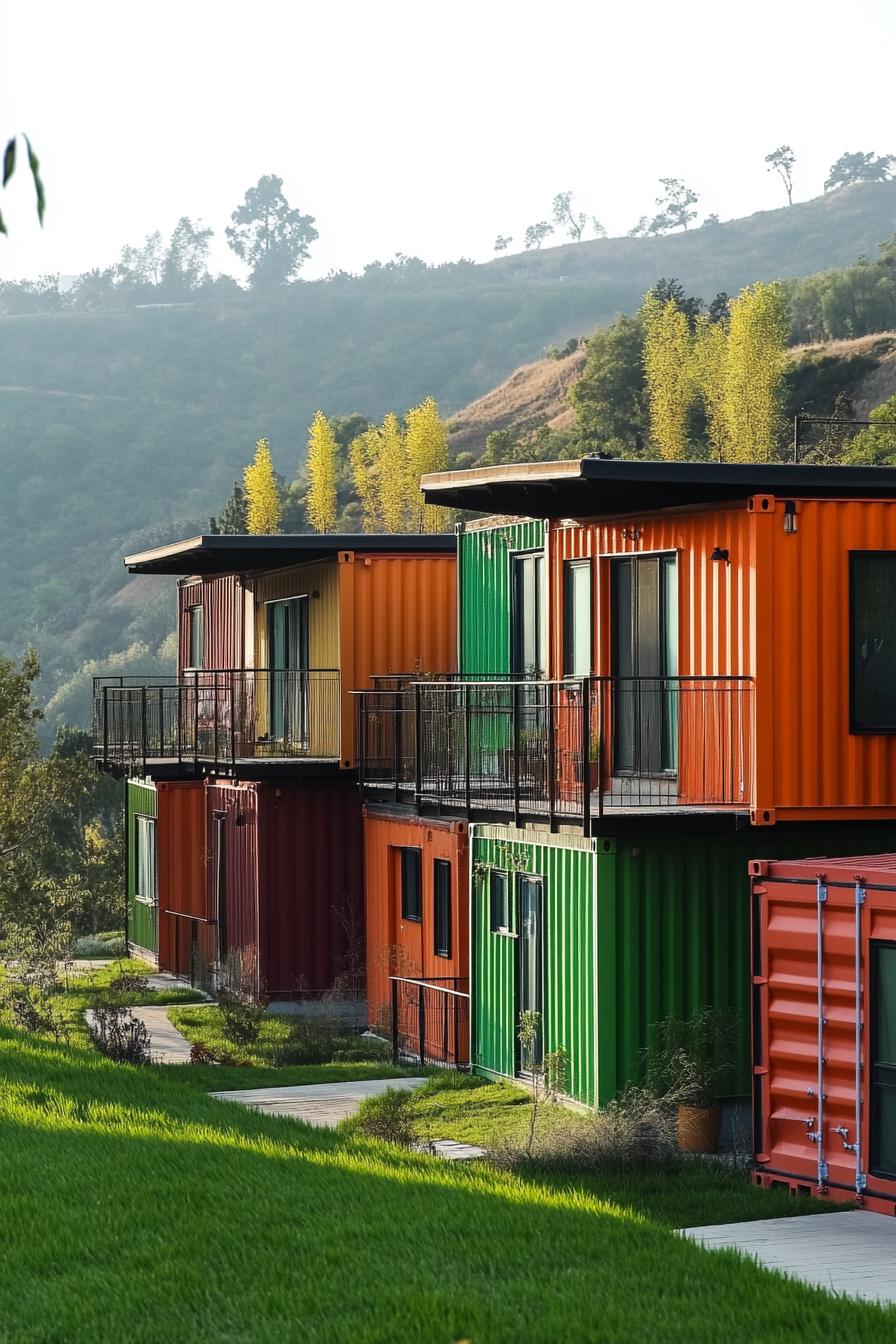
[
  {"x": 323, "y": 644},
  {"x": 398, "y": 615}
]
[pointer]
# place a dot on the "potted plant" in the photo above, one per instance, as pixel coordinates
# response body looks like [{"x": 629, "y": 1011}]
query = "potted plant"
[{"x": 692, "y": 1063}]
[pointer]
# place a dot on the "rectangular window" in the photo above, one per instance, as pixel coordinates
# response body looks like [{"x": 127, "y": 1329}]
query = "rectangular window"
[
  {"x": 195, "y": 637},
  {"x": 577, "y": 618},
  {"x": 499, "y": 900},
  {"x": 883, "y": 1058},
  {"x": 145, "y": 860},
  {"x": 441, "y": 901},
  {"x": 873, "y": 641},
  {"x": 411, "y": 895}
]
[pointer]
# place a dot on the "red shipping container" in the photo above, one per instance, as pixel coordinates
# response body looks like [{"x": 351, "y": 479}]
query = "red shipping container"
[{"x": 824, "y": 1027}]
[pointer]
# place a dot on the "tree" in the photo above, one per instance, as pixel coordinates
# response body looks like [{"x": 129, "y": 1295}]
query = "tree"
[
  {"x": 710, "y": 355},
  {"x": 364, "y": 460},
  {"x": 186, "y": 260},
  {"x": 597, "y": 228},
  {"x": 754, "y": 365},
  {"x": 566, "y": 218},
  {"x": 232, "y": 520},
  {"x": 781, "y": 161},
  {"x": 10, "y": 158},
  {"x": 502, "y": 243},
  {"x": 609, "y": 399},
  {"x": 322, "y": 467},
  {"x": 268, "y": 235},
  {"x": 710, "y": 221},
  {"x": 142, "y": 265},
  {"x": 852, "y": 168},
  {"x": 675, "y": 203},
  {"x": 669, "y": 375},
  {"x": 673, "y": 291},
  {"x": 876, "y": 444},
  {"x": 536, "y": 234},
  {"x": 426, "y": 445},
  {"x": 262, "y": 495},
  {"x": 391, "y": 474}
]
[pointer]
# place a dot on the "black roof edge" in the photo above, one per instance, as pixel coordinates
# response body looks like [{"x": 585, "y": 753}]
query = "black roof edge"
[{"x": 233, "y": 553}]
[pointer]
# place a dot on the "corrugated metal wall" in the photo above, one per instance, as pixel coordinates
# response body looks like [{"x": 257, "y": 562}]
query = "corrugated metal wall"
[
  {"x": 239, "y": 805},
  {"x": 183, "y": 898},
  {"x": 222, "y": 602},
  {"x": 311, "y": 884},
  {"x": 672, "y": 935},
  {"x": 397, "y": 947},
  {"x": 323, "y": 611},
  {"x": 142, "y": 917},
  {"x": 484, "y": 577}
]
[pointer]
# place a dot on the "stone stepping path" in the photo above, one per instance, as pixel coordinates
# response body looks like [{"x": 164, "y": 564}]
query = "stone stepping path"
[
  {"x": 852, "y": 1252},
  {"x": 167, "y": 1044},
  {"x": 316, "y": 1103}
]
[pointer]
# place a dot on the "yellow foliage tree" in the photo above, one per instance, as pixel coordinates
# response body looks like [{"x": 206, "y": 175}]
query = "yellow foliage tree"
[
  {"x": 710, "y": 356},
  {"x": 364, "y": 454},
  {"x": 391, "y": 474},
  {"x": 427, "y": 451},
  {"x": 669, "y": 374},
  {"x": 320, "y": 501},
  {"x": 755, "y": 360},
  {"x": 262, "y": 495}
]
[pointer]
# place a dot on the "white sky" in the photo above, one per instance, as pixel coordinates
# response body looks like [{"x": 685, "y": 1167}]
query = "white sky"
[{"x": 420, "y": 127}]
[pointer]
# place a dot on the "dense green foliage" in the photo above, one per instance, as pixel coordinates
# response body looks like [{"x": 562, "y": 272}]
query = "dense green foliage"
[{"x": 130, "y": 402}]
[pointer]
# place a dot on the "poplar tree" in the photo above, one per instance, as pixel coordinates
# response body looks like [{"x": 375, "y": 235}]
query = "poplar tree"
[
  {"x": 710, "y": 357},
  {"x": 669, "y": 375},
  {"x": 262, "y": 495},
  {"x": 364, "y": 461},
  {"x": 755, "y": 360},
  {"x": 320, "y": 501},
  {"x": 391, "y": 474},
  {"x": 427, "y": 451}
]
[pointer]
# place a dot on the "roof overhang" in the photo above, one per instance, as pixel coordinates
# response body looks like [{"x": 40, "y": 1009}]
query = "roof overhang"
[
  {"x": 592, "y": 487},
  {"x": 221, "y": 554}
]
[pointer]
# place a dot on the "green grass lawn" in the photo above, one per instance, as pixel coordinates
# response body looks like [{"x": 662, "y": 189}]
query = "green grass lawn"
[
  {"x": 75, "y": 993},
  {"x": 139, "y": 1210}
]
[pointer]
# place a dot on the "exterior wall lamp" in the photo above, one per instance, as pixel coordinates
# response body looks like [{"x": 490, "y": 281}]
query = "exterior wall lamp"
[{"x": 720, "y": 553}]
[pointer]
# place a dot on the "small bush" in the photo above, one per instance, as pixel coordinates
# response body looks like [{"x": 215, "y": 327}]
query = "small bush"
[
  {"x": 94, "y": 946},
  {"x": 241, "y": 999},
  {"x": 389, "y": 1117},
  {"x": 33, "y": 1012},
  {"x": 201, "y": 1054},
  {"x": 128, "y": 985},
  {"x": 119, "y": 1035},
  {"x": 312, "y": 1038},
  {"x": 361, "y": 1050}
]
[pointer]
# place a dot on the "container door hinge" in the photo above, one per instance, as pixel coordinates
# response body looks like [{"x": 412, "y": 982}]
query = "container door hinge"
[
  {"x": 822, "y": 1173},
  {"x": 821, "y": 893},
  {"x": 861, "y": 1182}
]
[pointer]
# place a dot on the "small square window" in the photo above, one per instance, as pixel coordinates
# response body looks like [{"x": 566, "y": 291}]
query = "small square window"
[
  {"x": 499, "y": 900},
  {"x": 411, "y": 895},
  {"x": 441, "y": 896}
]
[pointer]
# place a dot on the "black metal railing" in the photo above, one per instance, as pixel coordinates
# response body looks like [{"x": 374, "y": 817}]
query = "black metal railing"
[
  {"x": 217, "y": 717},
  {"x": 431, "y": 1021},
  {"x": 561, "y": 750}
]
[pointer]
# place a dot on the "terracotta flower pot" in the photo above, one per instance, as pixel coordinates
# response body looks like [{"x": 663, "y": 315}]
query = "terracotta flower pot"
[{"x": 699, "y": 1128}]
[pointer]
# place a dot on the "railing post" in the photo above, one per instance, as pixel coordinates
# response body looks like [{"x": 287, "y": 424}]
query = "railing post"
[
  {"x": 599, "y": 689},
  {"x": 179, "y": 711},
  {"x": 586, "y": 753},
  {"x": 515, "y": 731},
  {"x": 195, "y": 717},
  {"x": 421, "y": 1021},
  {"x": 361, "y": 731},
  {"x": 397, "y": 747},
  {"x": 161, "y": 723},
  {"x": 105, "y": 690},
  {"x": 455, "y": 999},
  {"x": 552, "y": 758},
  {"x": 232, "y": 720},
  {"x": 143, "y": 725},
  {"x": 466, "y": 699},
  {"x": 395, "y": 1040},
  {"x": 418, "y": 743}
]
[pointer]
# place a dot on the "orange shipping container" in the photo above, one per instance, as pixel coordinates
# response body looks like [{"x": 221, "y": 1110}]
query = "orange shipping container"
[
  {"x": 407, "y": 935},
  {"x": 824, "y": 1027}
]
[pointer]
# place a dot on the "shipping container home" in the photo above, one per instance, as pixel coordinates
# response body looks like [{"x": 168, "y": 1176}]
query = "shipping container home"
[
  {"x": 275, "y": 636},
  {"x": 606, "y": 936},
  {"x": 142, "y": 868},
  {"x": 716, "y": 640},
  {"x": 187, "y": 931},
  {"x": 417, "y": 928},
  {"x": 824, "y": 1027},
  {"x": 284, "y": 881}
]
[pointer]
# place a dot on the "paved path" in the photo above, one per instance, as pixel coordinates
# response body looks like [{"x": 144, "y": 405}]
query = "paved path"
[
  {"x": 853, "y": 1252},
  {"x": 318, "y": 1103},
  {"x": 166, "y": 1043}
]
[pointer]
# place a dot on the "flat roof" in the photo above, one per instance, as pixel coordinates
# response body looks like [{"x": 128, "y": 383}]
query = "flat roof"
[
  {"x": 595, "y": 486},
  {"x": 223, "y": 554}
]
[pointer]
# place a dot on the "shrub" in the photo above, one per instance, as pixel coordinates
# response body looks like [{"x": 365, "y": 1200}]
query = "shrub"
[
  {"x": 128, "y": 985},
  {"x": 94, "y": 946},
  {"x": 33, "y": 1012},
  {"x": 119, "y": 1035},
  {"x": 389, "y": 1117},
  {"x": 201, "y": 1054},
  {"x": 313, "y": 1037},
  {"x": 241, "y": 999},
  {"x": 694, "y": 1060}
]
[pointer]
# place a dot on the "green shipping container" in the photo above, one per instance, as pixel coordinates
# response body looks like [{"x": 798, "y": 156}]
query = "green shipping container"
[
  {"x": 143, "y": 884},
  {"x": 621, "y": 933},
  {"x": 484, "y": 589}
]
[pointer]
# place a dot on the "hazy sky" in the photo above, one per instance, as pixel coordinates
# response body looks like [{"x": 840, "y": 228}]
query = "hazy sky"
[{"x": 424, "y": 128}]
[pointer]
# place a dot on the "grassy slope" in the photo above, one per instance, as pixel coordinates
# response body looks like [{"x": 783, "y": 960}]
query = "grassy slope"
[{"x": 138, "y": 1210}]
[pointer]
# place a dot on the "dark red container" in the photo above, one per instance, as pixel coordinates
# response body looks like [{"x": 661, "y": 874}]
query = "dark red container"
[{"x": 223, "y": 602}]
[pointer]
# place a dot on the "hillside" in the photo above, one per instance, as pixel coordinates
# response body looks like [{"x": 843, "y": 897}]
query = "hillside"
[{"x": 124, "y": 426}]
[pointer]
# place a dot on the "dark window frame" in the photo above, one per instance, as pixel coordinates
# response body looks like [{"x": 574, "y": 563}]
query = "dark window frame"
[
  {"x": 568, "y": 615},
  {"x": 193, "y": 610},
  {"x": 517, "y": 671},
  {"x": 502, "y": 929},
  {"x": 151, "y": 848},
  {"x": 441, "y": 918},
  {"x": 405, "y": 851},
  {"x": 856, "y": 728},
  {"x": 875, "y": 947}
]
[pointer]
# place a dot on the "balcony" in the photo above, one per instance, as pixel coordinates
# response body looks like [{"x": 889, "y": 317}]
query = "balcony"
[
  {"x": 217, "y": 720},
  {"x": 567, "y": 752}
]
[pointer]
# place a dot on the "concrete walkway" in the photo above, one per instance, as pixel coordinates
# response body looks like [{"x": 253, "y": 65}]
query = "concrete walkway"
[
  {"x": 852, "y": 1252},
  {"x": 167, "y": 1044},
  {"x": 317, "y": 1103}
]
